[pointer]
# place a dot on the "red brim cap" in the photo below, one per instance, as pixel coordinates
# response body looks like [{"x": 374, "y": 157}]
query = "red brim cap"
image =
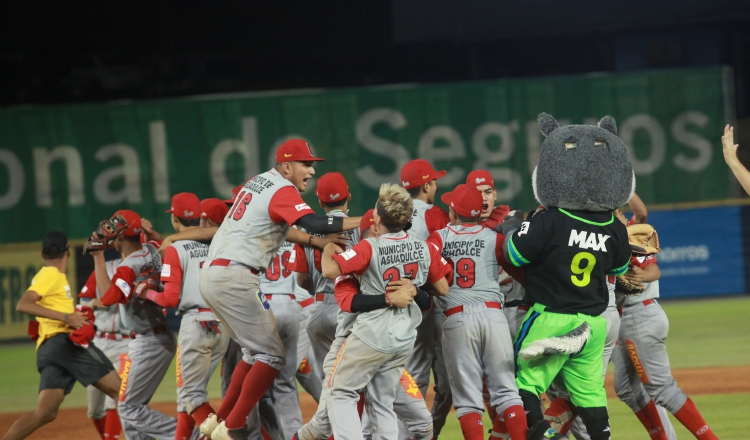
[{"x": 295, "y": 150}]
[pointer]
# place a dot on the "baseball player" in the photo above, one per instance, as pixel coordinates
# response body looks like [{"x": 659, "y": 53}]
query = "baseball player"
[
  {"x": 333, "y": 195},
  {"x": 213, "y": 211},
  {"x": 243, "y": 247},
  {"x": 348, "y": 296},
  {"x": 381, "y": 340},
  {"x": 420, "y": 180},
  {"x": 152, "y": 346},
  {"x": 279, "y": 286},
  {"x": 544, "y": 247},
  {"x": 60, "y": 362},
  {"x": 643, "y": 378},
  {"x": 202, "y": 344},
  {"x": 476, "y": 340},
  {"x": 112, "y": 339}
]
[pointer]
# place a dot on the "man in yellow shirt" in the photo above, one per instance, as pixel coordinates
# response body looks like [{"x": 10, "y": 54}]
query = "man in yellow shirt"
[{"x": 60, "y": 362}]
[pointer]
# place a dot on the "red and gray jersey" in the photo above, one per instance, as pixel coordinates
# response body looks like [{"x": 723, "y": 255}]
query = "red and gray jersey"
[
  {"x": 474, "y": 252},
  {"x": 182, "y": 263},
  {"x": 259, "y": 220},
  {"x": 139, "y": 315},
  {"x": 426, "y": 219},
  {"x": 377, "y": 261},
  {"x": 108, "y": 319},
  {"x": 652, "y": 288},
  {"x": 308, "y": 260},
  {"x": 279, "y": 278}
]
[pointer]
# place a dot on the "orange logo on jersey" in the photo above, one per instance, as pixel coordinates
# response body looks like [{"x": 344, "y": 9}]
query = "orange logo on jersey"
[
  {"x": 123, "y": 360},
  {"x": 335, "y": 363},
  {"x": 636, "y": 361},
  {"x": 124, "y": 379},
  {"x": 410, "y": 386},
  {"x": 178, "y": 369},
  {"x": 304, "y": 367}
]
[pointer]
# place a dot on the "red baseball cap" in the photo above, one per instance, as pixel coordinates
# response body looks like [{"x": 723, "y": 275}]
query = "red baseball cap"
[
  {"x": 465, "y": 201},
  {"x": 418, "y": 172},
  {"x": 214, "y": 209},
  {"x": 133, "y": 221},
  {"x": 480, "y": 177},
  {"x": 332, "y": 187},
  {"x": 295, "y": 150},
  {"x": 368, "y": 220},
  {"x": 236, "y": 190},
  {"x": 185, "y": 205}
]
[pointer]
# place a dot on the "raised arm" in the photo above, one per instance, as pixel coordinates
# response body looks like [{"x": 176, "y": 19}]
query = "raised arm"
[{"x": 730, "y": 157}]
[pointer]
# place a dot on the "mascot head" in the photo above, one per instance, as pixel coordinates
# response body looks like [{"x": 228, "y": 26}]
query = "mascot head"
[{"x": 583, "y": 167}]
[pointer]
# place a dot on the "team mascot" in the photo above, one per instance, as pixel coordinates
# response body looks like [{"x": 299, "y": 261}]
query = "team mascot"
[{"x": 567, "y": 250}]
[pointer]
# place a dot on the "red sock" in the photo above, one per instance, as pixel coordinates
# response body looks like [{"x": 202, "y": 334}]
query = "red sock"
[
  {"x": 185, "y": 426},
  {"x": 471, "y": 426},
  {"x": 234, "y": 389},
  {"x": 560, "y": 415},
  {"x": 264, "y": 433},
  {"x": 692, "y": 419},
  {"x": 258, "y": 380},
  {"x": 499, "y": 430},
  {"x": 515, "y": 422},
  {"x": 99, "y": 424},
  {"x": 361, "y": 405},
  {"x": 112, "y": 427},
  {"x": 649, "y": 417},
  {"x": 201, "y": 413}
]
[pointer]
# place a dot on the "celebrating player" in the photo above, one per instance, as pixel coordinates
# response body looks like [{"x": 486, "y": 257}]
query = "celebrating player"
[
  {"x": 60, "y": 363},
  {"x": 242, "y": 248},
  {"x": 476, "y": 340},
  {"x": 381, "y": 340}
]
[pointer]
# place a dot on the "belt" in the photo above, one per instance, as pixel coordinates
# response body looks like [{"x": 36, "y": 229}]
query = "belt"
[
  {"x": 320, "y": 297},
  {"x": 113, "y": 336},
  {"x": 457, "y": 309},
  {"x": 204, "y": 310},
  {"x": 648, "y": 302},
  {"x": 307, "y": 302},
  {"x": 158, "y": 329},
  {"x": 224, "y": 263}
]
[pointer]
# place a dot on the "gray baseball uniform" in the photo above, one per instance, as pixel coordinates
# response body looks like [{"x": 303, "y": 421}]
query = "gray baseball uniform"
[
  {"x": 245, "y": 244},
  {"x": 202, "y": 343},
  {"x": 376, "y": 351},
  {"x": 476, "y": 340},
  {"x": 279, "y": 286},
  {"x": 149, "y": 353},
  {"x": 309, "y": 373},
  {"x": 323, "y": 320},
  {"x": 111, "y": 338}
]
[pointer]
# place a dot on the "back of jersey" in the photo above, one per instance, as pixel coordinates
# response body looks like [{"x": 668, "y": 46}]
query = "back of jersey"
[
  {"x": 109, "y": 319},
  {"x": 313, "y": 254},
  {"x": 248, "y": 235},
  {"x": 192, "y": 255},
  {"x": 394, "y": 256},
  {"x": 473, "y": 253},
  {"x": 279, "y": 278},
  {"x": 140, "y": 315}
]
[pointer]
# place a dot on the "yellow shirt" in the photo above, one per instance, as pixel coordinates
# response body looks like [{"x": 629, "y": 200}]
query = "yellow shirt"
[{"x": 53, "y": 287}]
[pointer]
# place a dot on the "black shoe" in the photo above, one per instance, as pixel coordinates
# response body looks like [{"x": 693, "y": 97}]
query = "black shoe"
[{"x": 542, "y": 431}]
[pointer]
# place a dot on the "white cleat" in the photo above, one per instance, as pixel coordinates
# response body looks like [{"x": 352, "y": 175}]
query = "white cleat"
[
  {"x": 209, "y": 425},
  {"x": 223, "y": 433}
]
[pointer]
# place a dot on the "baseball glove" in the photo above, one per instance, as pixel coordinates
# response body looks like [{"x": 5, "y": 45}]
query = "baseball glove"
[
  {"x": 148, "y": 278},
  {"x": 106, "y": 233},
  {"x": 496, "y": 216},
  {"x": 623, "y": 287},
  {"x": 643, "y": 239}
]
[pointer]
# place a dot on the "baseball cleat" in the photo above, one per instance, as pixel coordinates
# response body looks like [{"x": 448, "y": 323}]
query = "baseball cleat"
[
  {"x": 542, "y": 431},
  {"x": 223, "y": 433},
  {"x": 209, "y": 425}
]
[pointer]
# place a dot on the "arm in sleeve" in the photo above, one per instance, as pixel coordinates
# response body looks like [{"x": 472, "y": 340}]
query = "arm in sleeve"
[
  {"x": 623, "y": 254},
  {"x": 171, "y": 277},
  {"x": 439, "y": 267},
  {"x": 423, "y": 300},
  {"x": 89, "y": 289},
  {"x": 119, "y": 291},
  {"x": 514, "y": 272},
  {"x": 346, "y": 289},
  {"x": 300, "y": 260},
  {"x": 356, "y": 260},
  {"x": 436, "y": 219},
  {"x": 527, "y": 243}
]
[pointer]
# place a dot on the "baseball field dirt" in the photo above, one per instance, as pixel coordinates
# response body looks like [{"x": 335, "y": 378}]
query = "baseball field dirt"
[{"x": 73, "y": 424}]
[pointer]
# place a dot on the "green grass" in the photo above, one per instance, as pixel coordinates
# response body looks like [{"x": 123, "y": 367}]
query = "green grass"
[
  {"x": 703, "y": 333},
  {"x": 723, "y": 412}
]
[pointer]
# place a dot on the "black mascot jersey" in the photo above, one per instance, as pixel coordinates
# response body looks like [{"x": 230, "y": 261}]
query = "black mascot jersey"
[{"x": 567, "y": 255}]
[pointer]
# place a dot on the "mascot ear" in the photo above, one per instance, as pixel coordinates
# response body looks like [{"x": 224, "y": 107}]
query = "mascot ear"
[
  {"x": 547, "y": 124},
  {"x": 608, "y": 123}
]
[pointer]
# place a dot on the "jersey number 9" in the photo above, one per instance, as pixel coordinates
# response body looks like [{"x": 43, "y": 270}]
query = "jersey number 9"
[{"x": 582, "y": 275}]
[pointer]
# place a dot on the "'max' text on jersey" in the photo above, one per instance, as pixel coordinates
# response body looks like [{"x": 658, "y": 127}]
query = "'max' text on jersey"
[{"x": 588, "y": 240}]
